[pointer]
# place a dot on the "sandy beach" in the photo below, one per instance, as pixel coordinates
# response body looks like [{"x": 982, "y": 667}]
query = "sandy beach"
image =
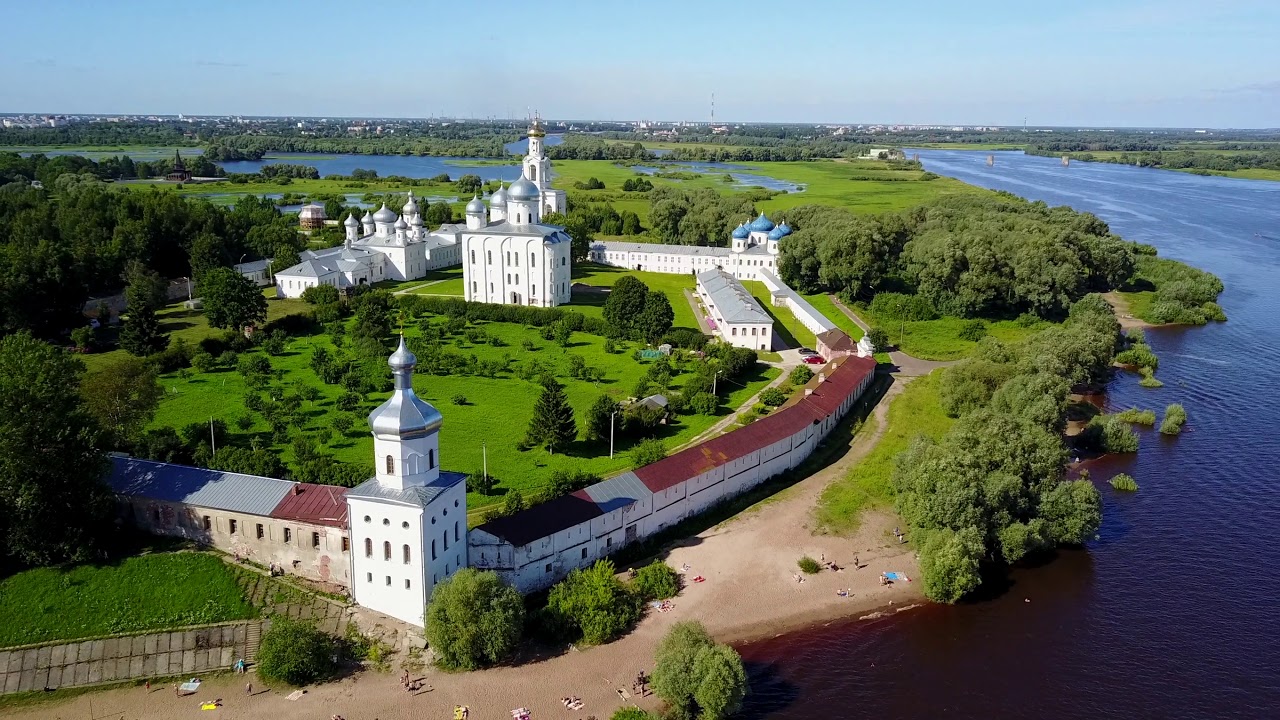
[{"x": 750, "y": 591}]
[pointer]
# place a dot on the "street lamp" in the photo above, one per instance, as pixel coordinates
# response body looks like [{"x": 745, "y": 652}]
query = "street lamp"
[{"x": 611, "y": 416}]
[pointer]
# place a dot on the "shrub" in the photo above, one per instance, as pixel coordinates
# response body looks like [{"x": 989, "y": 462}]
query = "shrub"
[
  {"x": 295, "y": 653},
  {"x": 800, "y": 375},
  {"x": 760, "y": 409},
  {"x": 656, "y": 581},
  {"x": 320, "y": 295},
  {"x": 631, "y": 713},
  {"x": 704, "y": 403},
  {"x": 808, "y": 565},
  {"x": 949, "y": 562},
  {"x": 879, "y": 339},
  {"x": 1174, "y": 418},
  {"x": 647, "y": 452},
  {"x": 1139, "y": 417},
  {"x": 1110, "y": 434},
  {"x": 1138, "y": 356},
  {"x": 1124, "y": 482},
  {"x": 897, "y": 306},
  {"x": 474, "y": 619},
  {"x": 1148, "y": 379},
  {"x": 773, "y": 397},
  {"x": 972, "y": 330},
  {"x": 202, "y": 361},
  {"x": 459, "y": 399},
  {"x": 592, "y": 604}
]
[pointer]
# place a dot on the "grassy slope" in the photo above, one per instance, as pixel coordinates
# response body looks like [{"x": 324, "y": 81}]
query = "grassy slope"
[
  {"x": 146, "y": 592},
  {"x": 785, "y": 325},
  {"x": 822, "y": 303},
  {"x": 938, "y": 339},
  {"x": 915, "y": 412}
]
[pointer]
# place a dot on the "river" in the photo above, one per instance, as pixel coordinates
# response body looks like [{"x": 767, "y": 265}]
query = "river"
[{"x": 1169, "y": 614}]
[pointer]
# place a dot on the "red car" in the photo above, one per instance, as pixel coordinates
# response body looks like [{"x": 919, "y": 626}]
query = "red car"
[{"x": 815, "y": 360}]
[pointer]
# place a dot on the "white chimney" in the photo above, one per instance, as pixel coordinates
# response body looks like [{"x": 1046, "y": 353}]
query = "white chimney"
[{"x": 822, "y": 377}]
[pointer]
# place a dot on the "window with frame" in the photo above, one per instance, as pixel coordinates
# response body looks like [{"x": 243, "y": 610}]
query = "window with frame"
[
  {"x": 315, "y": 540},
  {"x": 431, "y": 459},
  {"x": 260, "y": 531},
  {"x": 406, "y": 554},
  {"x": 346, "y": 545},
  {"x": 368, "y": 547},
  {"x": 391, "y": 465},
  {"x": 208, "y": 523},
  {"x": 234, "y": 525},
  {"x": 406, "y": 583},
  {"x": 386, "y": 550},
  {"x": 584, "y": 553},
  {"x": 288, "y": 535},
  {"x": 388, "y": 581}
]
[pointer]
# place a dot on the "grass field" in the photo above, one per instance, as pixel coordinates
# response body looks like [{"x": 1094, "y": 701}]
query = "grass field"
[
  {"x": 785, "y": 325},
  {"x": 939, "y": 339},
  {"x": 822, "y": 303},
  {"x": 605, "y": 276},
  {"x": 497, "y": 409},
  {"x": 916, "y": 411},
  {"x": 140, "y": 593}
]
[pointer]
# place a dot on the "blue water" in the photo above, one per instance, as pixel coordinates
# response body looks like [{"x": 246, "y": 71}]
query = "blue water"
[{"x": 1171, "y": 612}]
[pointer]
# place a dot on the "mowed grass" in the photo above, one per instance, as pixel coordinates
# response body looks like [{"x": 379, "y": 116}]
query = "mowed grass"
[
  {"x": 136, "y": 594},
  {"x": 823, "y": 304},
  {"x": 786, "y": 327},
  {"x": 940, "y": 339},
  {"x": 446, "y": 281},
  {"x": 917, "y": 411},
  {"x": 493, "y": 419},
  {"x": 672, "y": 285},
  {"x": 841, "y": 184}
]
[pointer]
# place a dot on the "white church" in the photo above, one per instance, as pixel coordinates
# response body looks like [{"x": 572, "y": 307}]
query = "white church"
[{"x": 508, "y": 255}]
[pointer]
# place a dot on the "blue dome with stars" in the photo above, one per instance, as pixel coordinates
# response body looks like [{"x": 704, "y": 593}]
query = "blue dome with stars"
[{"x": 740, "y": 232}]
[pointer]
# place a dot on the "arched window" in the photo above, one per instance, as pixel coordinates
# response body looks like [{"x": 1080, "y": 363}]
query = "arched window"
[
  {"x": 445, "y": 537},
  {"x": 406, "y": 554},
  {"x": 433, "y": 549},
  {"x": 489, "y": 256},
  {"x": 455, "y": 531},
  {"x": 368, "y": 547},
  {"x": 563, "y": 261},
  {"x": 431, "y": 459},
  {"x": 533, "y": 260},
  {"x": 391, "y": 465},
  {"x": 386, "y": 550},
  {"x": 473, "y": 257}
]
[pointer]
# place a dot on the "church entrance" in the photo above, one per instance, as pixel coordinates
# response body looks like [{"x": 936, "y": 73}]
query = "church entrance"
[{"x": 515, "y": 298}]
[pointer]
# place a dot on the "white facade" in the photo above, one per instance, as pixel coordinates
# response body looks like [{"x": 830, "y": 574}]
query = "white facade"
[
  {"x": 537, "y": 168},
  {"x": 538, "y": 547},
  {"x": 409, "y": 522},
  {"x": 753, "y": 250},
  {"x": 732, "y": 312}
]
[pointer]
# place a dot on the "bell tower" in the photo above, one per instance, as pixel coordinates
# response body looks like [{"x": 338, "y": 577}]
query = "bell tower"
[{"x": 406, "y": 431}]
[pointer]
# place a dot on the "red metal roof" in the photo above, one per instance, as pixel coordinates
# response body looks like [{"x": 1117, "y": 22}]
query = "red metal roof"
[
  {"x": 315, "y": 504},
  {"x": 841, "y": 378}
]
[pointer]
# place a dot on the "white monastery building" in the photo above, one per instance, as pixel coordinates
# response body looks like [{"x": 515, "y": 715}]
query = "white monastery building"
[
  {"x": 754, "y": 248},
  {"x": 732, "y": 312},
  {"x": 508, "y": 255}
]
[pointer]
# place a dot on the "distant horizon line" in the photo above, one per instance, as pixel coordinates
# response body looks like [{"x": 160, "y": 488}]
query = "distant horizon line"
[{"x": 1002, "y": 126}]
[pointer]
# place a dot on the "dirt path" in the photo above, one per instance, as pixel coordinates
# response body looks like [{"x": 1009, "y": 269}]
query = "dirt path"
[
  {"x": 1121, "y": 308},
  {"x": 903, "y": 364}
]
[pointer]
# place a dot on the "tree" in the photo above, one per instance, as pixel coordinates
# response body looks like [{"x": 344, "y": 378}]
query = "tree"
[
  {"x": 600, "y": 417},
  {"x": 144, "y": 287},
  {"x": 593, "y": 604},
  {"x": 474, "y": 619},
  {"x": 773, "y": 397},
  {"x": 657, "y": 317},
  {"x": 123, "y": 396},
  {"x": 696, "y": 676},
  {"x": 51, "y": 464},
  {"x": 295, "y": 653},
  {"x": 231, "y": 300},
  {"x": 879, "y": 340},
  {"x": 704, "y": 403},
  {"x": 625, "y": 303},
  {"x": 320, "y": 295},
  {"x": 552, "y": 425},
  {"x": 800, "y": 375},
  {"x": 1073, "y": 511},
  {"x": 141, "y": 334},
  {"x": 469, "y": 183},
  {"x": 949, "y": 561}
]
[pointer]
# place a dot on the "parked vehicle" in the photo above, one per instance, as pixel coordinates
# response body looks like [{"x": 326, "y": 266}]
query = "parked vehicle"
[{"x": 815, "y": 360}]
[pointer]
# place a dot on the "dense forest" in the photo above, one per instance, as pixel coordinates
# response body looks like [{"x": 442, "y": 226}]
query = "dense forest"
[
  {"x": 121, "y": 167},
  {"x": 973, "y": 256},
  {"x": 1198, "y": 159},
  {"x": 74, "y": 237}
]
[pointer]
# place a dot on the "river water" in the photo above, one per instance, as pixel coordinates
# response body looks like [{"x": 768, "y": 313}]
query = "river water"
[{"x": 1171, "y": 613}]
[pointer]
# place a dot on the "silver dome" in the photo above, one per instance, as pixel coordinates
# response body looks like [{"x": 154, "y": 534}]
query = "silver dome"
[
  {"x": 523, "y": 190},
  {"x": 499, "y": 197},
  {"x": 401, "y": 224},
  {"x": 475, "y": 206},
  {"x": 411, "y": 206},
  {"x": 404, "y": 414},
  {"x": 351, "y": 221},
  {"x": 416, "y": 220},
  {"x": 367, "y": 218},
  {"x": 384, "y": 215}
]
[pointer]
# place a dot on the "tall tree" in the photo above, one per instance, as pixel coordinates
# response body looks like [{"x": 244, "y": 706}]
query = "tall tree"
[
  {"x": 141, "y": 334},
  {"x": 51, "y": 464},
  {"x": 144, "y": 287},
  {"x": 122, "y": 396},
  {"x": 552, "y": 425},
  {"x": 231, "y": 300},
  {"x": 697, "y": 677},
  {"x": 474, "y": 619},
  {"x": 625, "y": 303},
  {"x": 657, "y": 317}
]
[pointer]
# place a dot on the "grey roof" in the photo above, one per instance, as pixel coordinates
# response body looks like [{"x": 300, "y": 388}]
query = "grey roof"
[
  {"x": 523, "y": 190},
  {"x": 234, "y": 492},
  {"x": 735, "y": 304},
  {"x": 794, "y": 298},
  {"x": 668, "y": 249},
  {"x": 418, "y": 495},
  {"x": 404, "y": 414},
  {"x": 307, "y": 268},
  {"x": 617, "y": 492},
  {"x": 655, "y": 401},
  {"x": 318, "y": 263},
  {"x": 253, "y": 266}
]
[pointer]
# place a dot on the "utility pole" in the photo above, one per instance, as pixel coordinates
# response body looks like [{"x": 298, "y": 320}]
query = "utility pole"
[
  {"x": 213, "y": 440},
  {"x": 611, "y": 416},
  {"x": 484, "y": 452},
  {"x": 714, "y": 378}
]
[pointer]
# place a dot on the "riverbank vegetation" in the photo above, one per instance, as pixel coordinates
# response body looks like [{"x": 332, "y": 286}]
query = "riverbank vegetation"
[
  {"x": 1124, "y": 483},
  {"x": 1174, "y": 418},
  {"x": 1163, "y": 291},
  {"x": 992, "y": 490}
]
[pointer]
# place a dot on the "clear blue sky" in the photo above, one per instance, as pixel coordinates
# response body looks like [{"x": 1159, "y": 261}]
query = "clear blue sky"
[{"x": 1084, "y": 62}]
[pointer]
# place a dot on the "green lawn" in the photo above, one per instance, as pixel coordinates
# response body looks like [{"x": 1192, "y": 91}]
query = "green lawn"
[
  {"x": 822, "y": 303},
  {"x": 833, "y": 183},
  {"x": 447, "y": 281},
  {"x": 497, "y": 411},
  {"x": 868, "y": 485},
  {"x": 605, "y": 276},
  {"x": 136, "y": 594},
  {"x": 785, "y": 324},
  {"x": 939, "y": 339}
]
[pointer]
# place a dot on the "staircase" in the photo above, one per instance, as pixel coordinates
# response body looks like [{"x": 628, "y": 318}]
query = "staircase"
[{"x": 252, "y": 639}]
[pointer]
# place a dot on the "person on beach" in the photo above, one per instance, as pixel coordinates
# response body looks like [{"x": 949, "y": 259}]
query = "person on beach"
[
  {"x": 856, "y": 562},
  {"x": 404, "y": 679},
  {"x": 248, "y": 688}
]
